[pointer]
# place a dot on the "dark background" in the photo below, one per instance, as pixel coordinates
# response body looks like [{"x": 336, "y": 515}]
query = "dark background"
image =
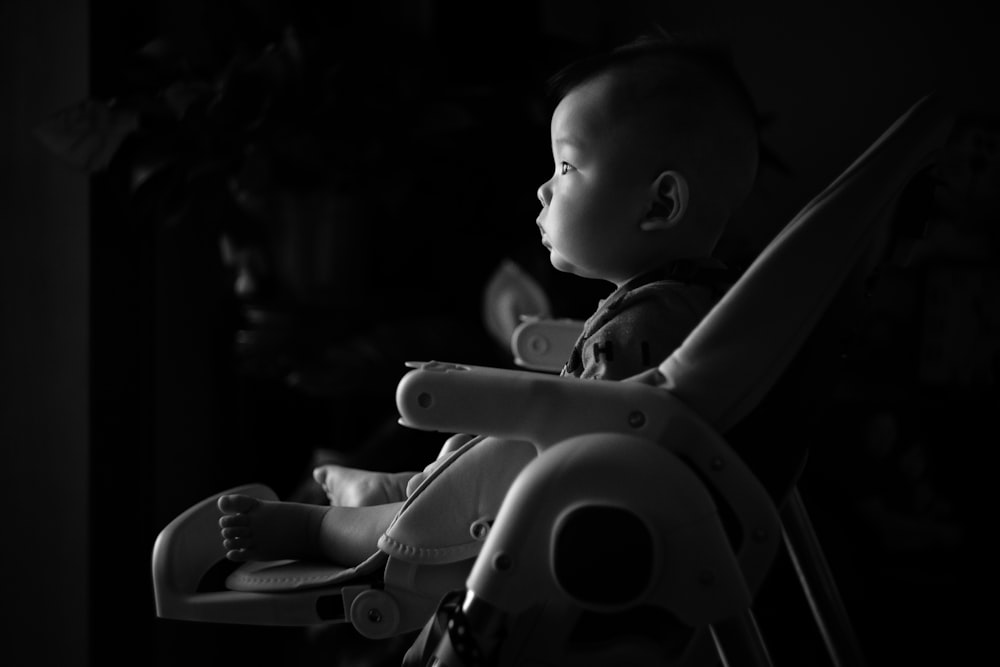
[{"x": 119, "y": 405}]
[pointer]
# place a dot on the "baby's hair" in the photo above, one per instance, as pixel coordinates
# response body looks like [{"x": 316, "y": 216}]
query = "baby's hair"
[
  {"x": 711, "y": 57},
  {"x": 697, "y": 81}
]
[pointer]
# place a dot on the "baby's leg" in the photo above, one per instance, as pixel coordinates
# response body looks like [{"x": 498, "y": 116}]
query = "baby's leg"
[
  {"x": 254, "y": 529},
  {"x": 351, "y": 487}
]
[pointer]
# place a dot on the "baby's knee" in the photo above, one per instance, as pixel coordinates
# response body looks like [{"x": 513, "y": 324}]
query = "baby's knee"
[
  {"x": 453, "y": 443},
  {"x": 415, "y": 481}
]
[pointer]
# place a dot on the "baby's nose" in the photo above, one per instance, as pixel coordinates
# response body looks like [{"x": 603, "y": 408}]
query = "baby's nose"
[{"x": 543, "y": 194}]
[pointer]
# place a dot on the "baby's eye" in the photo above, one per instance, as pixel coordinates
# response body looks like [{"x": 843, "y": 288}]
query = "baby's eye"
[{"x": 564, "y": 167}]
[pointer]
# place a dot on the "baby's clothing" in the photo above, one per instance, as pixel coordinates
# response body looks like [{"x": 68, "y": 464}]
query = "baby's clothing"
[
  {"x": 642, "y": 322},
  {"x": 448, "y": 515},
  {"x": 639, "y": 325}
]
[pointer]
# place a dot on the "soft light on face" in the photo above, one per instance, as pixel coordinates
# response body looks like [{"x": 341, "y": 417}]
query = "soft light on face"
[{"x": 599, "y": 190}]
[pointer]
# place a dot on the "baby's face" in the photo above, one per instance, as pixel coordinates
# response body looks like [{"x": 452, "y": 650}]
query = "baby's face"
[{"x": 599, "y": 191}]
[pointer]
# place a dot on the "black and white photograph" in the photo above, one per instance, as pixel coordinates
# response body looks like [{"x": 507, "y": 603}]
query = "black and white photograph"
[{"x": 546, "y": 333}]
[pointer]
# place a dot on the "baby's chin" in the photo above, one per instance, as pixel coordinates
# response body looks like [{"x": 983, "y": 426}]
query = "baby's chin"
[{"x": 562, "y": 264}]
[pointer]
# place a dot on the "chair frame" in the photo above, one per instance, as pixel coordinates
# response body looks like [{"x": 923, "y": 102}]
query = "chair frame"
[{"x": 691, "y": 405}]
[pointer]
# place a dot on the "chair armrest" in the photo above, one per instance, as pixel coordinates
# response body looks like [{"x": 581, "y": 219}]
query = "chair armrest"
[
  {"x": 544, "y": 344},
  {"x": 523, "y": 405},
  {"x": 546, "y": 409}
]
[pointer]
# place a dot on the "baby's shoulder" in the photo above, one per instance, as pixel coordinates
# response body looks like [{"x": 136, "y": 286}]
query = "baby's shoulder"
[{"x": 670, "y": 297}]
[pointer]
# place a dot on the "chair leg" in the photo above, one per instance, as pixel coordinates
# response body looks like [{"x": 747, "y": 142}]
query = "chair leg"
[
  {"x": 740, "y": 643},
  {"x": 818, "y": 584}
]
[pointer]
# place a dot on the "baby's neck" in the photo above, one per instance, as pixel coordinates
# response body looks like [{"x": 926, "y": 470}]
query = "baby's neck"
[{"x": 679, "y": 269}]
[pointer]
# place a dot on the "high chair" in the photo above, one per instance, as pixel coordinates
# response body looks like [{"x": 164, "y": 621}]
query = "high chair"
[
  {"x": 543, "y": 344},
  {"x": 634, "y": 532}
]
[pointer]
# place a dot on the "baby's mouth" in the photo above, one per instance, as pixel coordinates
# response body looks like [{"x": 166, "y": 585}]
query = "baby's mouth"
[{"x": 545, "y": 240}]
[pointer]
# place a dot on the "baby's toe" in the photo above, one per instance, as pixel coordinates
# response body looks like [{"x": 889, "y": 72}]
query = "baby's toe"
[
  {"x": 238, "y": 543},
  {"x": 236, "y": 502},
  {"x": 238, "y": 555},
  {"x": 234, "y": 521},
  {"x": 236, "y": 532}
]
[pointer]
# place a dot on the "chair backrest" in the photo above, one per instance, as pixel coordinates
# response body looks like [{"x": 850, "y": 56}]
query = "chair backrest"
[
  {"x": 749, "y": 341},
  {"x": 777, "y": 331},
  {"x": 740, "y": 349}
]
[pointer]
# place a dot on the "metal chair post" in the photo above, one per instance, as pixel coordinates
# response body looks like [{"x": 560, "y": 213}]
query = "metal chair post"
[{"x": 818, "y": 584}]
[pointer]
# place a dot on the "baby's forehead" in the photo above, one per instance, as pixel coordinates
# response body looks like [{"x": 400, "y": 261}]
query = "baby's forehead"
[
  {"x": 664, "y": 87},
  {"x": 669, "y": 95},
  {"x": 624, "y": 92},
  {"x": 609, "y": 95},
  {"x": 608, "y": 103}
]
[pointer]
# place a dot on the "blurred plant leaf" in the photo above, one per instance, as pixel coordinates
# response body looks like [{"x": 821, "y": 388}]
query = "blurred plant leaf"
[
  {"x": 88, "y": 134},
  {"x": 151, "y": 156},
  {"x": 278, "y": 102},
  {"x": 182, "y": 95}
]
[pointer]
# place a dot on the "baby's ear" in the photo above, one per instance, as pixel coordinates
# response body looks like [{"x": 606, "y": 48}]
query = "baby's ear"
[{"x": 669, "y": 196}]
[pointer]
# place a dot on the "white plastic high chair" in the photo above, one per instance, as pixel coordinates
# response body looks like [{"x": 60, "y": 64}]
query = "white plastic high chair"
[
  {"x": 544, "y": 344},
  {"x": 694, "y": 531}
]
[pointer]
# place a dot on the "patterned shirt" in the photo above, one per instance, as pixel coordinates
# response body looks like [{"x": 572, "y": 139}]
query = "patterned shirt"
[{"x": 642, "y": 322}]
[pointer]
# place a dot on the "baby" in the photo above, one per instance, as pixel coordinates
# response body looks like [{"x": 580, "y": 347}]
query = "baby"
[{"x": 654, "y": 147}]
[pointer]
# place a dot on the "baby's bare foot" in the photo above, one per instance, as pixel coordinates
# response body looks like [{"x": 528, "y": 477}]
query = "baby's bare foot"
[
  {"x": 351, "y": 487},
  {"x": 254, "y": 529}
]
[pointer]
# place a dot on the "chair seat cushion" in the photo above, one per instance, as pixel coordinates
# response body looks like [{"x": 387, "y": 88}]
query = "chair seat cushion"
[{"x": 291, "y": 575}]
